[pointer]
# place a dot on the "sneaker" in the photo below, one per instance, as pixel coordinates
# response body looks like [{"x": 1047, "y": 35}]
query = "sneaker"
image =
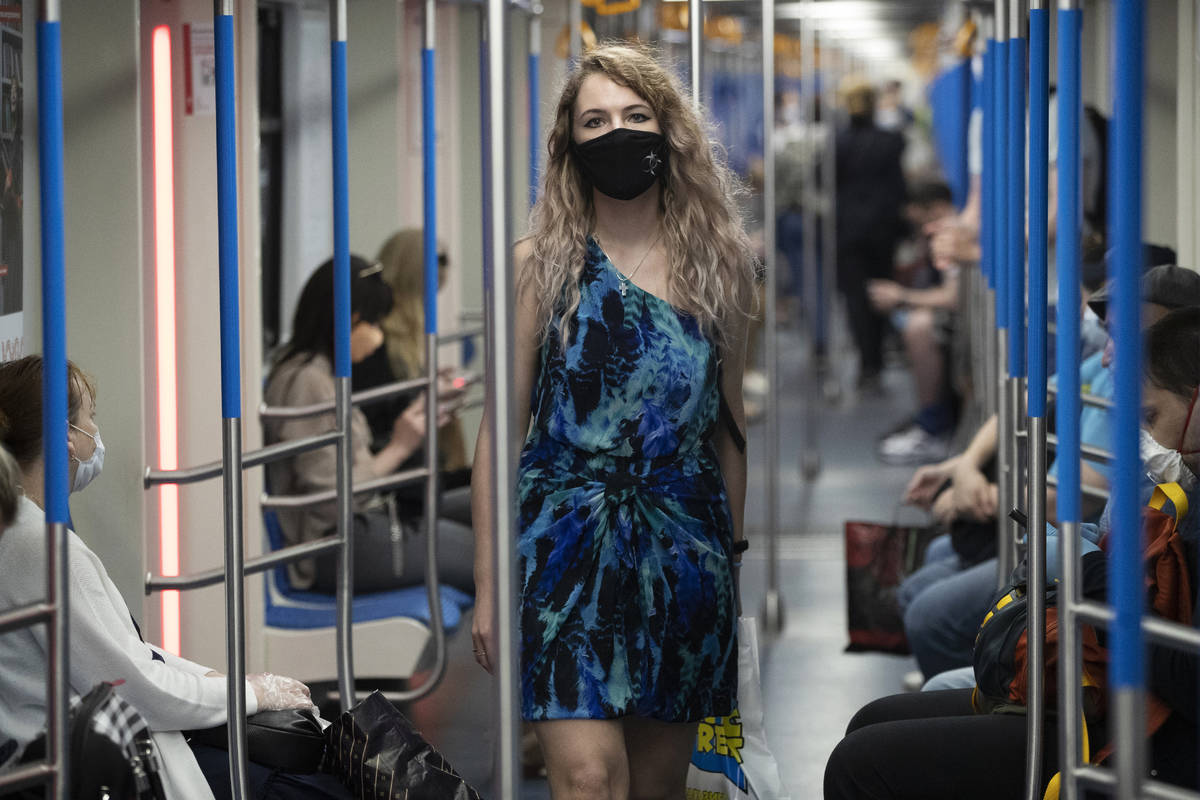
[
  {"x": 913, "y": 681},
  {"x": 913, "y": 445}
]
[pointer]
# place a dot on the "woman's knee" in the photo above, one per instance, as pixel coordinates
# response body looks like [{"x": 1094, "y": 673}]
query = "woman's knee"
[
  {"x": 591, "y": 778},
  {"x": 844, "y": 772}
]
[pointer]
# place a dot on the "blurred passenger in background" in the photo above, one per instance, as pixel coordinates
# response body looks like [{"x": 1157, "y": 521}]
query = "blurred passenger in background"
[
  {"x": 402, "y": 356},
  {"x": 870, "y": 198},
  {"x": 922, "y": 309}
]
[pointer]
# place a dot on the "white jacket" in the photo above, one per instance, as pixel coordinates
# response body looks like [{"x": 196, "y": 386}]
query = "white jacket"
[{"x": 172, "y": 694}]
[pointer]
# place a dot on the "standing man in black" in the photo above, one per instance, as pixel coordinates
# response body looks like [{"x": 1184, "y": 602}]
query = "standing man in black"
[{"x": 870, "y": 199}]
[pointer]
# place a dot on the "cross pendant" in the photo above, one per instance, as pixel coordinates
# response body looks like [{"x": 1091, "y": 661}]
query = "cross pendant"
[{"x": 622, "y": 290}]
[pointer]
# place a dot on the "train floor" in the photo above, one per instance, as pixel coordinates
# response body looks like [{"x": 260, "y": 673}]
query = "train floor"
[{"x": 810, "y": 686}]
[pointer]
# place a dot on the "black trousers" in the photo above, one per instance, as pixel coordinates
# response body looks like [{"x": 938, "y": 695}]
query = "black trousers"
[
  {"x": 932, "y": 746},
  {"x": 859, "y": 263},
  {"x": 265, "y": 783},
  {"x": 383, "y": 562}
]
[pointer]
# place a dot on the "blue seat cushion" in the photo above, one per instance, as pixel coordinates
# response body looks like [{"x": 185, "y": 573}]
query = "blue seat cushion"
[{"x": 287, "y": 607}]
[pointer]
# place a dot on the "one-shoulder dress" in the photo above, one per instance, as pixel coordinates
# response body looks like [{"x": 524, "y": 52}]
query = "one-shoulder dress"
[{"x": 627, "y": 604}]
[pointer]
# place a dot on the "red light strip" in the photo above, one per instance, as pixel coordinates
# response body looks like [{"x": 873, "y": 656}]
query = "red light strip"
[{"x": 164, "y": 304}]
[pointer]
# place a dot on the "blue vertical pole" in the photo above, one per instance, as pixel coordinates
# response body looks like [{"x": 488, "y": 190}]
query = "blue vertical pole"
[
  {"x": 227, "y": 227},
  {"x": 341, "y": 203},
  {"x": 1125, "y": 589},
  {"x": 1039, "y": 93},
  {"x": 1039, "y": 147},
  {"x": 429, "y": 170},
  {"x": 1000, "y": 197},
  {"x": 1066, "y": 250},
  {"x": 342, "y": 367},
  {"x": 1070, "y": 112},
  {"x": 987, "y": 175},
  {"x": 54, "y": 292},
  {"x": 1015, "y": 183},
  {"x": 231, "y": 393},
  {"x": 54, "y": 387}
]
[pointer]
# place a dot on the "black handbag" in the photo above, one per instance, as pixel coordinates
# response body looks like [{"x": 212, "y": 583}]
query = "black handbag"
[
  {"x": 289, "y": 741},
  {"x": 378, "y": 755},
  {"x": 110, "y": 751}
]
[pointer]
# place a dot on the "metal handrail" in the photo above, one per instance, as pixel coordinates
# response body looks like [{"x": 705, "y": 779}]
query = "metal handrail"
[
  {"x": 1084, "y": 489},
  {"x": 28, "y": 775},
  {"x": 275, "y": 558},
  {"x": 250, "y": 458},
  {"x": 1157, "y": 629},
  {"x": 1093, "y": 400},
  {"x": 393, "y": 481},
  {"x": 1088, "y": 451},
  {"x": 365, "y": 397},
  {"x": 26, "y": 615},
  {"x": 451, "y": 337}
]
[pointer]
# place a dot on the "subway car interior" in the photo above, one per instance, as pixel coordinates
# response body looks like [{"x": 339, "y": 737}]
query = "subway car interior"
[{"x": 278, "y": 252}]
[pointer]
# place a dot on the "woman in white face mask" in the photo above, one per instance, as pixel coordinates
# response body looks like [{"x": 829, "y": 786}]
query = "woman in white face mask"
[
  {"x": 1169, "y": 394},
  {"x": 171, "y": 693}
]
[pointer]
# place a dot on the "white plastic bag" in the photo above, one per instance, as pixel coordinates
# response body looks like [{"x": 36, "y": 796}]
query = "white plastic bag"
[{"x": 731, "y": 760}]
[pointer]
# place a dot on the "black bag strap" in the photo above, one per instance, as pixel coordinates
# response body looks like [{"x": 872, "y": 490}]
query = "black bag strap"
[{"x": 727, "y": 417}]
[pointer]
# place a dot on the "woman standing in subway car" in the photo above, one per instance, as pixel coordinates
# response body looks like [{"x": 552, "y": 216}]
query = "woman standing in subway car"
[{"x": 634, "y": 287}]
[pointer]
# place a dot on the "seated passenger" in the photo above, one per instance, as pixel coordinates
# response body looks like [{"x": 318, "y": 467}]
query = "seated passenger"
[
  {"x": 389, "y": 545},
  {"x": 921, "y": 310},
  {"x": 402, "y": 357},
  {"x": 171, "y": 693},
  {"x": 933, "y": 745},
  {"x": 943, "y": 601}
]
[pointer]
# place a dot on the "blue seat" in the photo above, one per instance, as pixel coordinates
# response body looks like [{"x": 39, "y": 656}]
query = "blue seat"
[{"x": 287, "y": 607}]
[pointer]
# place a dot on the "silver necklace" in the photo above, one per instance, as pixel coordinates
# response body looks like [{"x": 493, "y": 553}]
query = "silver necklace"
[{"x": 622, "y": 277}]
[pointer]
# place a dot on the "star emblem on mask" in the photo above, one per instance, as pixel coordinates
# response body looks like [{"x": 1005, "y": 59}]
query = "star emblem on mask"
[{"x": 653, "y": 162}]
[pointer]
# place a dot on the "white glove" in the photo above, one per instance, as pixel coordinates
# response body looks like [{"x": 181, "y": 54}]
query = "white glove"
[{"x": 276, "y": 693}]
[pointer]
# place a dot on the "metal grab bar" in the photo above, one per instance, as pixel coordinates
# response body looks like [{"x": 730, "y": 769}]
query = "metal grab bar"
[
  {"x": 1157, "y": 790},
  {"x": 1089, "y": 452},
  {"x": 393, "y": 481},
  {"x": 457, "y": 336},
  {"x": 1084, "y": 489},
  {"x": 210, "y": 577},
  {"x": 29, "y": 775},
  {"x": 1156, "y": 629},
  {"x": 251, "y": 458},
  {"x": 1093, "y": 400},
  {"x": 365, "y": 397},
  {"x": 26, "y": 615}
]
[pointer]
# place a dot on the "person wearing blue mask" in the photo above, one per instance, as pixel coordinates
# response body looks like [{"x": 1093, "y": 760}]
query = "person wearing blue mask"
[
  {"x": 935, "y": 745},
  {"x": 171, "y": 693}
]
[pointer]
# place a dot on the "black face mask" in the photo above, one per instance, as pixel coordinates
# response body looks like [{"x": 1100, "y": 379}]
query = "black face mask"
[{"x": 622, "y": 163}]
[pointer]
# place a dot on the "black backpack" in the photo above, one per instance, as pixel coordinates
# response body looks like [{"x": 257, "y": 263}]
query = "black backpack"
[{"x": 111, "y": 754}]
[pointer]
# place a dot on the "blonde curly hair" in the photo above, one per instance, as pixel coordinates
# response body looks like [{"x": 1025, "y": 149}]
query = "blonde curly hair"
[{"x": 712, "y": 261}]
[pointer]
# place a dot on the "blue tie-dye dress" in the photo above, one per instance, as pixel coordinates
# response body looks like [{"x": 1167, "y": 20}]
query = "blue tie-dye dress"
[{"x": 627, "y": 604}]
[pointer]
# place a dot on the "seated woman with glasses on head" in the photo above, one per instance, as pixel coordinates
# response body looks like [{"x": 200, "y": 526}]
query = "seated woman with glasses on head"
[{"x": 389, "y": 547}]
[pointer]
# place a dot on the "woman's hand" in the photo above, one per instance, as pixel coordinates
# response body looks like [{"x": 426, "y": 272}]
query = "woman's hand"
[
  {"x": 483, "y": 629},
  {"x": 276, "y": 692},
  {"x": 408, "y": 431},
  {"x": 943, "y": 508},
  {"x": 922, "y": 489},
  {"x": 974, "y": 497}
]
